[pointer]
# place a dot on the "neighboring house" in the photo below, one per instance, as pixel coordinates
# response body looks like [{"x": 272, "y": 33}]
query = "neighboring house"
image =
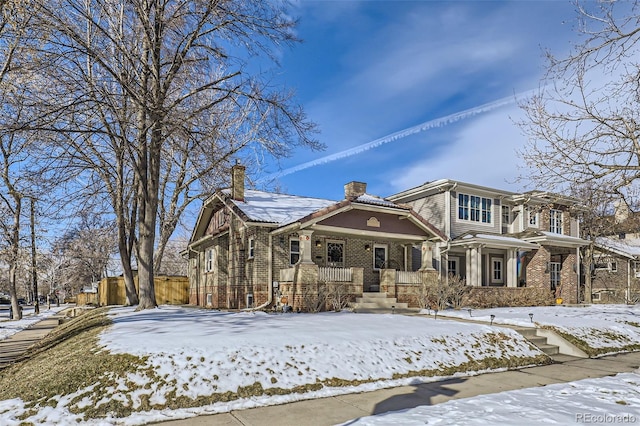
[
  {"x": 499, "y": 238},
  {"x": 259, "y": 249},
  {"x": 615, "y": 276}
]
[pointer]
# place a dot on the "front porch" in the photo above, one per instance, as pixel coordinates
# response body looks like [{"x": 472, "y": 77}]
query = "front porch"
[{"x": 307, "y": 287}]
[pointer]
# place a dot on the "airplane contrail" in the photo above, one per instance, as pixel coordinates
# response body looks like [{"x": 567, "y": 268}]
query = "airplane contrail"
[{"x": 427, "y": 125}]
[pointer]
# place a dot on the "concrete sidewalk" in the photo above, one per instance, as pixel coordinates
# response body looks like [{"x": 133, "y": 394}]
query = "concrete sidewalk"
[
  {"x": 16, "y": 345},
  {"x": 340, "y": 409}
]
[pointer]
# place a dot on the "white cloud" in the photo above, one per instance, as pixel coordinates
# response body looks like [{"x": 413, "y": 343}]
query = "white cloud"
[{"x": 482, "y": 151}]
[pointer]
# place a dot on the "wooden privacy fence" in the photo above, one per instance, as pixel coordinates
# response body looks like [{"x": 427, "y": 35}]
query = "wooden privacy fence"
[
  {"x": 87, "y": 299},
  {"x": 169, "y": 290}
]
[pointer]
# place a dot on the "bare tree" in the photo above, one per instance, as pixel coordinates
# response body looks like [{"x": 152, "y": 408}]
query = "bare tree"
[
  {"x": 584, "y": 124},
  {"x": 85, "y": 252},
  {"x": 155, "y": 96}
]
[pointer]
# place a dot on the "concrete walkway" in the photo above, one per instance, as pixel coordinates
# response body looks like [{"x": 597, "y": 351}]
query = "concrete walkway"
[
  {"x": 13, "y": 347},
  {"x": 340, "y": 409}
]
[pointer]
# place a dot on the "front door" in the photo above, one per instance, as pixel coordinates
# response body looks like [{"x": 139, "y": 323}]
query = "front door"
[{"x": 554, "y": 274}]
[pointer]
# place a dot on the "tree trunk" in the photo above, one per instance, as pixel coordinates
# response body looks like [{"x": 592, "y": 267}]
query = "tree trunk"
[
  {"x": 588, "y": 262},
  {"x": 34, "y": 270},
  {"x": 15, "y": 249}
]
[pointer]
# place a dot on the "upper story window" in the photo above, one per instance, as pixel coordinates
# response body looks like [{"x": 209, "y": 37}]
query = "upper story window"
[
  {"x": 533, "y": 218},
  {"x": 294, "y": 251},
  {"x": 252, "y": 247},
  {"x": 506, "y": 215},
  {"x": 209, "y": 259},
  {"x": 555, "y": 221},
  {"x": 473, "y": 208}
]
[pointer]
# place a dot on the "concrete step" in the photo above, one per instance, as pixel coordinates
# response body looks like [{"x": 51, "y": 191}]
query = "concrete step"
[
  {"x": 526, "y": 332},
  {"x": 537, "y": 340},
  {"x": 375, "y": 299},
  {"x": 376, "y": 295},
  {"x": 402, "y": 311},
  {"x": 380, "y": 304},
  {"x": 549, "y": 349}
]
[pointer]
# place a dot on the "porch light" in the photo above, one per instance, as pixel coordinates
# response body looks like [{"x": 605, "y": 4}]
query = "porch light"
[
  {"x": 393, "y": 309},
  {"x": 318, "y": 243},
  {"x": 367, "y": 247},
  {"x": 531, "y": 317},
  {"x": 492, "y": 318}
]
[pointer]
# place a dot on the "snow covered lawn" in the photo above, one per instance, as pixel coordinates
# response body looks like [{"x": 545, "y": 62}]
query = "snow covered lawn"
[
  {"x": 187, "y": 361},
  {"x": 225, "y": 361},
  {"x": 596, "y": 329}
]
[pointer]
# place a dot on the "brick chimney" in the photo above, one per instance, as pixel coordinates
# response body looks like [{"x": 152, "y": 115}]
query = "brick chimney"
[
  {"x": 354, "y": 189},
  {"x": 237, "y": 182}
]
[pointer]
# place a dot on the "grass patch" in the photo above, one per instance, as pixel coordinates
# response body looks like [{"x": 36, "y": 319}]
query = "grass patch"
[{"x": 66, "y": 360}]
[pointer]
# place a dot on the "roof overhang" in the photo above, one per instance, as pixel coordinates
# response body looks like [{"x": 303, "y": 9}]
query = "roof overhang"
[
  {"x": 312, "y": 222},
  {"x": 557, "y": 240},
  {"x": 492, "y": 241}
]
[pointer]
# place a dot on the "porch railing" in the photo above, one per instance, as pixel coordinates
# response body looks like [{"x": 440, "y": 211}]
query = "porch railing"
[
  {"x": 408, "y": 277},
  {"x": 329, "y": 274},
  {"x": 287, "y": 274}
]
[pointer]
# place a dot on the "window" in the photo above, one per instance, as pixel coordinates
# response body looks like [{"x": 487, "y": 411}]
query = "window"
[
  {"x": 533, "y": 218},
  {"x": 475, "y": 209},
  {"x": 294, "y": 251},
  {"x": 250, "y": 300},
  {"x": 252, "y": 248},
  {"x": 496, "y": 270},
  {"x": 210, "y": 259},
  {"x": 335, "y": 253},
  {"x": 613, "y": 266},
  {"x": 379, "y": 256},
  {"x": 600, "y": 266},
  {"x": 506, "y": 215},
  {"x": 452, "y": 267},
  {"x": 636, "y": 268},
  {"x": 555, "y": 221}
]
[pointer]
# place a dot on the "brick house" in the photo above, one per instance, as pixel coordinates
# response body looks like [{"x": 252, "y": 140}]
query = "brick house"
[
  {"x": 261, "y": 249},
  {"x": 499, "y": 238},
  {"x": 615, "y": 275}
]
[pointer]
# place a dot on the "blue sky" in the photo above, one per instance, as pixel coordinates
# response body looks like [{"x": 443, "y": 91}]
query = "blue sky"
[{"x": 367, "y": 69}]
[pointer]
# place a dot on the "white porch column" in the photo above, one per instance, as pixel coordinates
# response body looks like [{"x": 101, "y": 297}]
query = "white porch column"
[
  {"x": 305, "y": 246},
  {"x": 512, "y": 268},
  {"x": 475, "y": 263},
  {"x": 468, "y": 268},
  {"x": 427, "y": 256},
  {"x": 479, "y": 272}
]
